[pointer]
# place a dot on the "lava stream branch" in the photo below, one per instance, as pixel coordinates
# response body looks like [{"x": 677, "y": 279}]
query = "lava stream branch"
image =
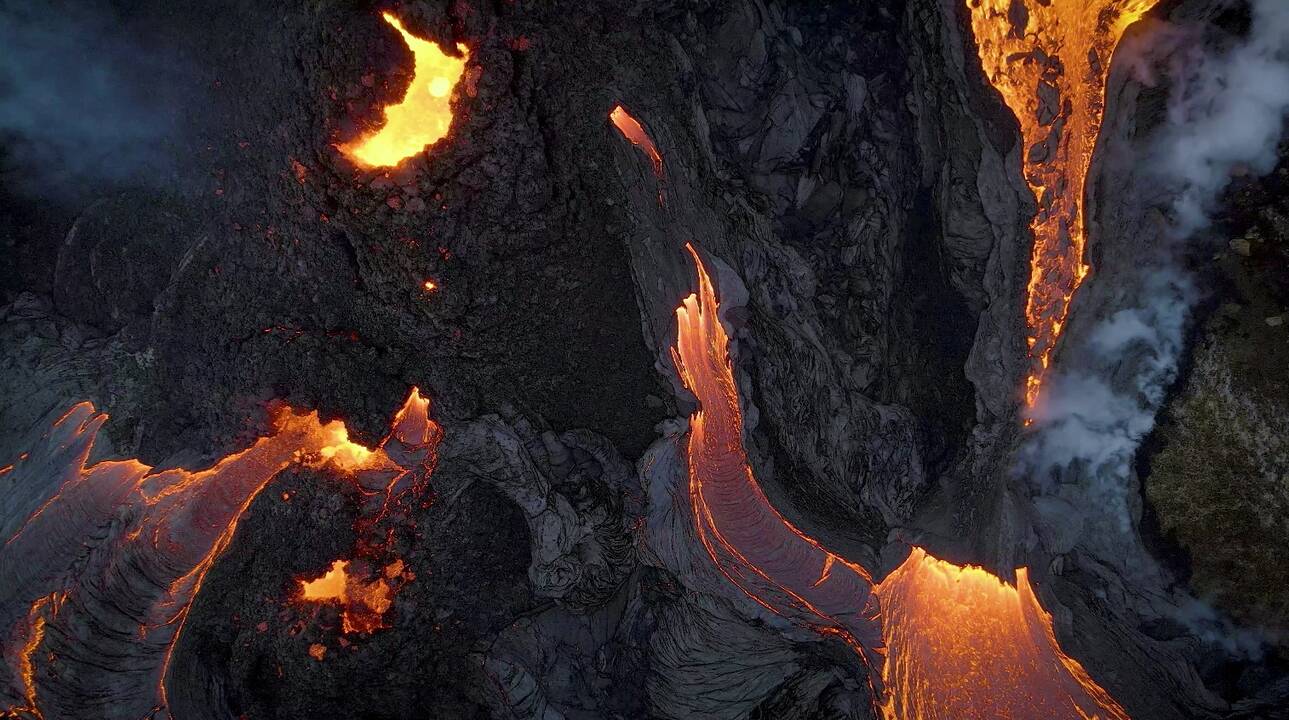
[
  {"x": 964, "y": 645},
  {"x": 1050, "y": 61}
]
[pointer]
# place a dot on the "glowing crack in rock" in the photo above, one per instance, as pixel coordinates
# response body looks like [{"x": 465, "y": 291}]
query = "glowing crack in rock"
[
  {"x": 96, "y": 581},
  {"x": 1050, "y": 61},
  {"x": 960, "y": 644},
  {"x": 424, "y": 115}
]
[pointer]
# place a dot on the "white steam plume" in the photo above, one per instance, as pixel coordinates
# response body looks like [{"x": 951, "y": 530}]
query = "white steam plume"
[{"x": 1226, "y": 112}]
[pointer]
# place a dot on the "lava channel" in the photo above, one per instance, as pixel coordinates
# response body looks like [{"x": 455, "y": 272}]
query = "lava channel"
[
  {"x": 97, "y": 581},
  {"x": 1051, "y": 71},
  {"x": 755, "y": 547},
  {"x": 424, "y": 115},
  {"x": 960, "y": 644}
]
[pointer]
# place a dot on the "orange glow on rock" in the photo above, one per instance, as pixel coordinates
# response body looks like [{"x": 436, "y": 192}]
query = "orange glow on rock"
[
  {"x": 1052, "y": 73},
  {"x": 430, "y": 286},
  {"x": 960, "y": 644},
  {"x": 963, "y": 645},
  {"x": 363, "y": 603},
  {"x": 633, "y": 131},
  {"x": 317, "y": 651},
  {"x": 424, "y": 115}
]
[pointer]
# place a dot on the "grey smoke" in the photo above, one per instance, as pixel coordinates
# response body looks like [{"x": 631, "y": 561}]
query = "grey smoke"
[
  {"x": 86, "y": 97},
  {"x": 1097, "y": 420}
]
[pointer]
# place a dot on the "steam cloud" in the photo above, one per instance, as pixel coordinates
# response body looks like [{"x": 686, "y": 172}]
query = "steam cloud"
[
  {"x": 1226, "y": 111},
  {"x": 85, "y": 97}
]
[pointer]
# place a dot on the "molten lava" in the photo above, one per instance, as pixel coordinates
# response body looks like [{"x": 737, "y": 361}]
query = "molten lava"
[
  {"x": 960, "y": 643},
  {"x": 363, "y": 602},
  {"x": 424, "y": 115},
  {"x": 169, "y": 525},
  {"x": 754, "y": 546},
  {"x": 1050, "y": 60},
  {"x": 963, "y": 645},
  {"x": 633, "y": 131}
]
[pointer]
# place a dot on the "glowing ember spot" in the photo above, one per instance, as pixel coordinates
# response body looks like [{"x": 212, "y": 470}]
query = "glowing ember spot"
[
  {"x": 963, "y": 644},
  {"x": 430, "y": 286},
  {"x": 317, "y": 652},
  {"x": 754, "y": 546},
  {"x": 1050, "y": 61},
  {"x": 633, "y": 131},
  {"x": 960, "y": 644},
  {"x": 424, "y": 115}
]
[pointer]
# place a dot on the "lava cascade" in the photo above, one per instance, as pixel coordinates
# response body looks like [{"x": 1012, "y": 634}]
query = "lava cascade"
[
  {"x": 1050, "y": 61},
  {"x": 960, "y": 643},
  {"x": 74, "y": 609},
  {"x": 424, "y": 115}
]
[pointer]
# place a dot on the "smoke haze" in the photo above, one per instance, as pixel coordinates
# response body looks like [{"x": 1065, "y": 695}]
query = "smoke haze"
[{"x": 87, "y": 97}]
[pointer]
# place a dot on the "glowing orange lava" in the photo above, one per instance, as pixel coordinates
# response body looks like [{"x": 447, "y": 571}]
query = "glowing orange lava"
[
  {"x": 960, "y": 644},
  {"x": 331, "y": 586},
  {"x": 963, "y": 645},
  {"x": 633, "y": 131},
  {"x": 424, "y": 115},
  {"x": 364, "y": 603},
  {"x": 1050, "y": 60},
  {"x": 754, "y": 546},
  {"x": 181, "y": 521}
]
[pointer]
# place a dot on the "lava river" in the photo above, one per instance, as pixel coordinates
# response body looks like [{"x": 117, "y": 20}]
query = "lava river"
[
  {"x": 960, "y": 644},
  {"x": 102, "y": 562},
  {"x": 1050, "y": 61}
]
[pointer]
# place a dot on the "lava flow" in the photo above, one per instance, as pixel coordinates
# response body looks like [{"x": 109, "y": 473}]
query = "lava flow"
[
  {"x": 963, "y": 645},
  {"x": 1050, "y": 61},
  {"x": 424, "y": 115},
  {"x": 108, "y": 562},
  {"x": 752, "y": 545},
  {"x": 960, "y": 643}
]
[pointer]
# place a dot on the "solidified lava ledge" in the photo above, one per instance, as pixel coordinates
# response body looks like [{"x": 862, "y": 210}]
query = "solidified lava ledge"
[{"x": 884, "y": 360}]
